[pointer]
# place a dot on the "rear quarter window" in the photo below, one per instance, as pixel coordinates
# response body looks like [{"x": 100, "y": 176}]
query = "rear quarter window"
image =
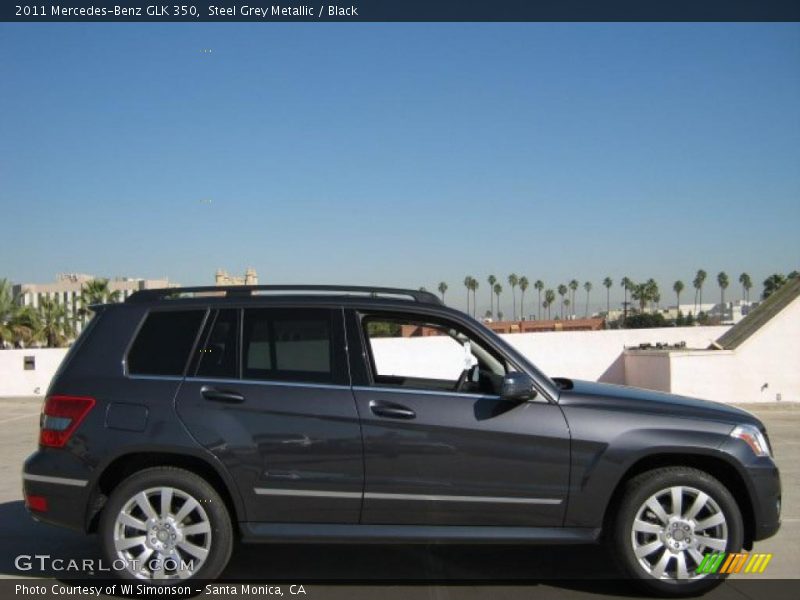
[{"x": 163, "y": 343}]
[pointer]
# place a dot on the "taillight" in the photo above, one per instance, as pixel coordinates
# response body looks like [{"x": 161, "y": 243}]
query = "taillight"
[
  {"x": 61, "y": 416},
  {"x": 36, "y": 503}
]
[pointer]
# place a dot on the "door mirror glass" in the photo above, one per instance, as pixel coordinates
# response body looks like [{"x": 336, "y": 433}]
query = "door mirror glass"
[{"x": 518, "y": 387}]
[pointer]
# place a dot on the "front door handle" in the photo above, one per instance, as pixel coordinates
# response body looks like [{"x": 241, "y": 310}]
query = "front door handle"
[
  {"x": 215, "y": 395},
  {"x": 391, "y": 411}
]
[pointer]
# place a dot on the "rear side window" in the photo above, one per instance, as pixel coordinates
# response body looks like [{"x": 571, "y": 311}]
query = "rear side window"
[
  {"x": 294, "y": 345},
  {"x": 164, "y": 342},
  {"x": 219, "y": 350}
]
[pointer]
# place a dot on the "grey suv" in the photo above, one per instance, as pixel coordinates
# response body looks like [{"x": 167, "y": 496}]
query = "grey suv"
[{"x": 183, "y": 419}]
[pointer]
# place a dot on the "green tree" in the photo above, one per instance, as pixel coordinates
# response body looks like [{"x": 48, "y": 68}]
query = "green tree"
[
  {"x": 8, "y": 309},
  {"x": 442, "y": 289},
  {"x": 539, "y": 286},
  {"x": 573, "y": 286},
  {"x": 677, "y": 287},
  {"x": 54, "y": 325},
  {"x": 653, "y": 294},
  {"x": 588, "y": 287},
  {"x": 549, "y": 298},
  {"x": 699, "y": 280},
  {"x": 523, "y": 285},
  {"x": 498, "y": 289},
  {"x": 468, "y": 285},
  {"x": 771, "y": 284},
  {"x": 723, "y": 282},
  {"x": 627, "y": 285},
  {"x": 513, "y": 280},
  {"x": 641, "y": 293},
  {"x": 96, "y": 291},
  {"x": 474, "y": 285},
  {"x": 607, "y": 283},
  {"x": 562, "y": 291},
  {"x": 747, "y": 283},
  {"x": 492, "y": 280}
]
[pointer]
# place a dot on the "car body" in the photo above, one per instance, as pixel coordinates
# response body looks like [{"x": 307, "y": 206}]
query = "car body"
[{"x": 313, "y": 413}]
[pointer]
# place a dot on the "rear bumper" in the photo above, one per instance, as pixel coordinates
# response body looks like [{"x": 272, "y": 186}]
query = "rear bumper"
[{"x": 64, "y": 486}]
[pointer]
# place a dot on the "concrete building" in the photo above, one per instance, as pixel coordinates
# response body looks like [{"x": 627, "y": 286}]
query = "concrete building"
[
  {"x": 221, "y": 277},
  {"x": 755, "y": 360},
  {"x": 67, "y": 288}
]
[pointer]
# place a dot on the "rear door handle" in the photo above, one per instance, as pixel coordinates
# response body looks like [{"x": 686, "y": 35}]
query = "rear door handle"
[
  {"x": 215, "y": 395},
  {"x": 391, "y": 411}
]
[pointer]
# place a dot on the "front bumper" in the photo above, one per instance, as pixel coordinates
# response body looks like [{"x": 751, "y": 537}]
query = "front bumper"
[{"x": 763, "y": 482}]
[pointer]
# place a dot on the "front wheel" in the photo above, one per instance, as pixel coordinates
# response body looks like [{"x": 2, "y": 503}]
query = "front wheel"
[
  {"x": 668, "y": 521},
  {"x": 166, "y": 524}
]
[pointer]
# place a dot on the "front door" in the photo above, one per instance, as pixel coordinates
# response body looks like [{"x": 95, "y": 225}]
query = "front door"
[
  {"x": 269, "y": 395},
  {"x": 440, "y": 445}
]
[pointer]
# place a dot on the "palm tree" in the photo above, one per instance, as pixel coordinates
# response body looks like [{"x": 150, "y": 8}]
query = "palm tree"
[
  {"x": 653, "y": 295},
  {"x": 641, "y": 293},
  {"x": 468, "y": 284},
  {"x": 626, "y": 284},
  {"x": 723, "y": 282},
  {"x": 588, "y": 287},
  {"x": 562, "y": 291},
  {"x": 607, "y": 283},
  {"x": 96, "y": 292},
  {"x": 474, "y": 285},
  {"x": 747, "y": 283},
  {"x": 699, "y": 279},
  {"x": 539, "y": 285},
  {"x": 677, "y": 287},
  {"x": 54, "y": 327},
  {"x": 492, "y": 280},
  {"x": 498, "y": 289},
  {"x": 573, "y": 286},
  {"x": 442, "y": 289},
  {"x": 513, "y": 280},
  {"x": 7, "y": 309},
  {"x": 523, "y": 285},
  {"x": 549, "y": 298}
]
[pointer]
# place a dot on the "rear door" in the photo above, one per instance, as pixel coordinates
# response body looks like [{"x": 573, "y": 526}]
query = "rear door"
[{"x": 269, "y": 395}]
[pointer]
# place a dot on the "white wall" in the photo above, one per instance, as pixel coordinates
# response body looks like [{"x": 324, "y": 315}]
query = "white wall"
[
  {"x": 762, "y": 369},
  {"x": 16, "y": 381},
  {"x": 597, "y": 355}
]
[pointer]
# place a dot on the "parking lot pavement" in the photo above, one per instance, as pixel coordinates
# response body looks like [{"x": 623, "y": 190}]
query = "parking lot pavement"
[{"x": 561, "y": 571}]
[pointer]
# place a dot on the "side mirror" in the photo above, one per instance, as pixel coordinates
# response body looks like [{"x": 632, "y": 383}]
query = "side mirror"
[{"x": 518, "y": 387}]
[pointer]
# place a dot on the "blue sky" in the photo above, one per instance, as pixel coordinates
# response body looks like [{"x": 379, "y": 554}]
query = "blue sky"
[{"x": 400, "y": 154}]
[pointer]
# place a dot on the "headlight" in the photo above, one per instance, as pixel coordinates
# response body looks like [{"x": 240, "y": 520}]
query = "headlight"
[{"x": 753, "y": 437}]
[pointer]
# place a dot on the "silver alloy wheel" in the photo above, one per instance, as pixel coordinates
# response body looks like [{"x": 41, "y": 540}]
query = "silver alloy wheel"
[
  {"x": 162, "y": 533},
  {"x": 674, "y": 528}
]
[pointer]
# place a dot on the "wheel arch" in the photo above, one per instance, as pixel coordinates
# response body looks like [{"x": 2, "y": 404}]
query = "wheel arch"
[
  {"x": 715, "y": 465},
  {"x": 125, "y": 465}
]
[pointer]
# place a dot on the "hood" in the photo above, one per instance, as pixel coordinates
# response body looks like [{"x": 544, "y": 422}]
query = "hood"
[{"x": 623, "y": 398}]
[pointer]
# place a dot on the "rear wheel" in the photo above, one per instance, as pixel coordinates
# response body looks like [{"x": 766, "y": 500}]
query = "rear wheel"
[
  {"x": 166, "y": 524},
  {"x": 668, "y": 520}
]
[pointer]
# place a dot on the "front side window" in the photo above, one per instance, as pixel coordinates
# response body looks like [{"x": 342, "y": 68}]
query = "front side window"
[
  {"x": 288, "y": 345},
  {"x": 427, "y": 355},
  {"x": 164, "y": 342}
]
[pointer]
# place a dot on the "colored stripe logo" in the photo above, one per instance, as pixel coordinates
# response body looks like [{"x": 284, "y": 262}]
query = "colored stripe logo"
[{"x": 734, "y": 562}]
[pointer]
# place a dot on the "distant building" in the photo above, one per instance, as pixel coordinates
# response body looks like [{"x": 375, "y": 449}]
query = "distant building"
[
  {"x": 67, "y": 289},
  {"x": 222, "y": 277}
]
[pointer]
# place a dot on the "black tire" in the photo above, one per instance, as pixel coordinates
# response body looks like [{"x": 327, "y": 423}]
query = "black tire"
[
  {"x": 636, "y": 493},
  {"x": 211, "y": 515}
]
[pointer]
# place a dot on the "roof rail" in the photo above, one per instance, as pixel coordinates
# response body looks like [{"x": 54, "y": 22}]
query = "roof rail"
[{"x": 250, "y": 290}]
